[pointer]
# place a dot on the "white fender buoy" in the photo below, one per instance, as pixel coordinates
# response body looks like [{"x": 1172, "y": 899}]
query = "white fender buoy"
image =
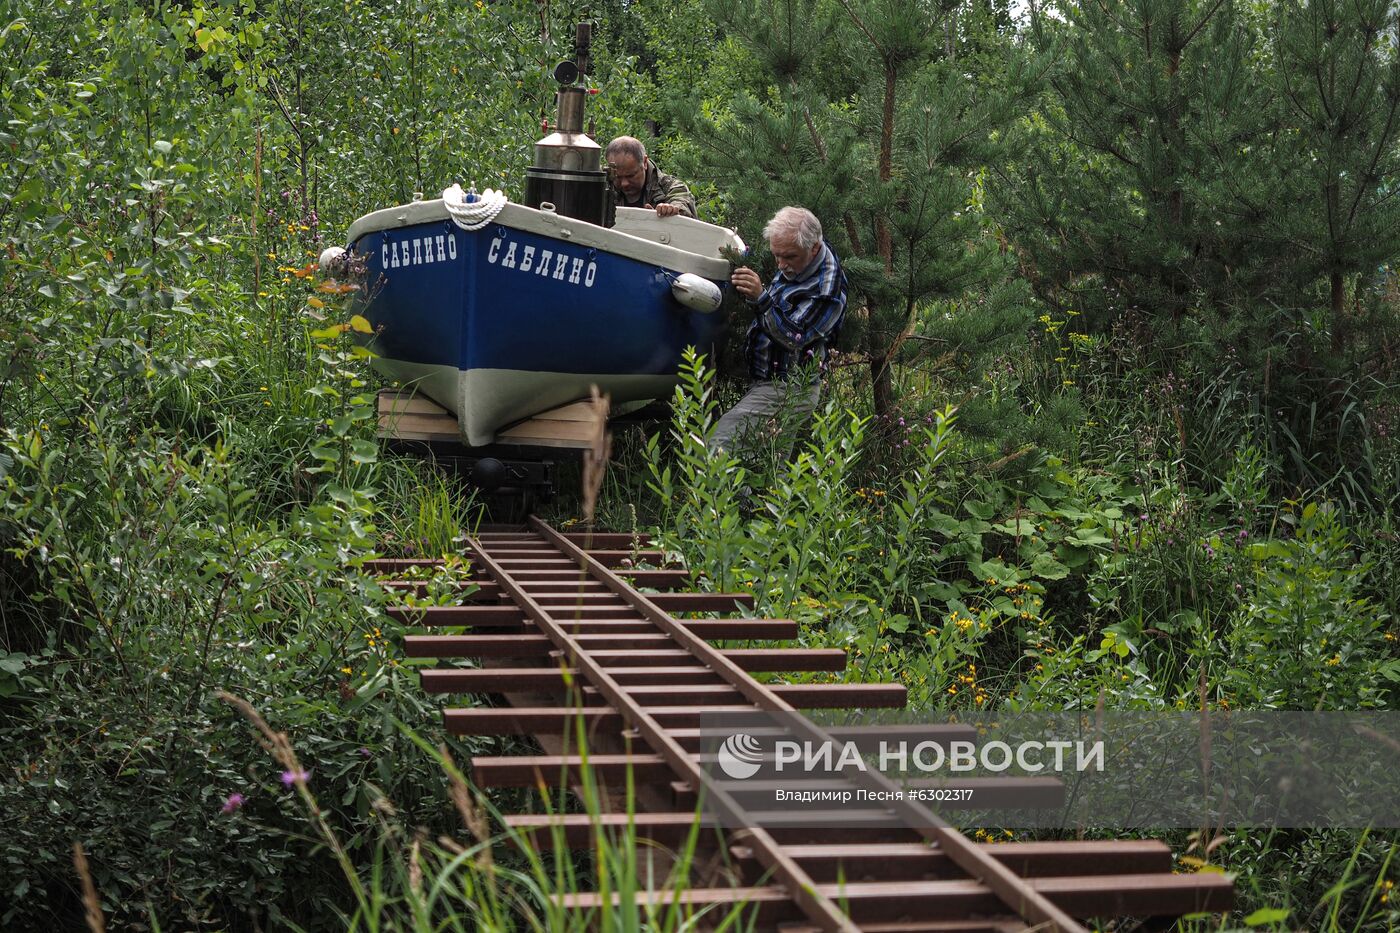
[
  {"x": 333, "y": 261},
  {"x": 696, "y": 293}
]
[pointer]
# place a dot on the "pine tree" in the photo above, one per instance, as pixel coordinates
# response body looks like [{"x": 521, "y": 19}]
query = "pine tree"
[
  {"x": 1338, "y": 73},
  {"x": 1140, "y": 183},
  {"x": 860, "y": 111},
  {"x": 1195, "y": 160}
]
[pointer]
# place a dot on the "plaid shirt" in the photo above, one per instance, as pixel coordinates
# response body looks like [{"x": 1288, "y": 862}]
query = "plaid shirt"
[{"x": 797, "y": 319}]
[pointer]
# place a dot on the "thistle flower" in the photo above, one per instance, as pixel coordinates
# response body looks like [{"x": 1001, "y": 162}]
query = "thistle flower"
[
  {"x": 292, "y": 777},
  {"x": 233, "y": 802}
]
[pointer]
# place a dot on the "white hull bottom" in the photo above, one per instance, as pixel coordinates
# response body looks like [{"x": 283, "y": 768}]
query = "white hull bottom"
[{"x": 486, "y": 400}]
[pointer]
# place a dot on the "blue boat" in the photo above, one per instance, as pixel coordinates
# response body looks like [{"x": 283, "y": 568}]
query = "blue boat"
[
  {"x": 500, "y": 311},
  {"x": 528, "y": 312}
]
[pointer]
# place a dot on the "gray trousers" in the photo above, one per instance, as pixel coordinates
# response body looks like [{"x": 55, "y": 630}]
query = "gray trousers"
[{"x": 766, "y": 410}]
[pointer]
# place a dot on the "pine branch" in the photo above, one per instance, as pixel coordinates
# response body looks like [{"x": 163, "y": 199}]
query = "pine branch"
[
  {"x": 1205, "y": 18},
  {"x": 852, "y": 231},
  {"x": 860, "y": 24},
  {"x": 1383, "y": 143}
]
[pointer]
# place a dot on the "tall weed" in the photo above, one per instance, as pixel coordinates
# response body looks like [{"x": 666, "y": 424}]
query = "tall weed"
[{"x": 1307, "y": 637}]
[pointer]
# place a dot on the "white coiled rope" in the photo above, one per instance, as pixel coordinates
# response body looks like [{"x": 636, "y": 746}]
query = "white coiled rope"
[{"x": 472, "y": 211}]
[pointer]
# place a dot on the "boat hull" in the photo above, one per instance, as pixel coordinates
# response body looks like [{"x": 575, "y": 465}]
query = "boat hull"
[{"x": 508, "y": 321}]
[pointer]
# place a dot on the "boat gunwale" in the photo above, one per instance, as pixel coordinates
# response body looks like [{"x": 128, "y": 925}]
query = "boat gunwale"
[{"x": 547, "y": 223}]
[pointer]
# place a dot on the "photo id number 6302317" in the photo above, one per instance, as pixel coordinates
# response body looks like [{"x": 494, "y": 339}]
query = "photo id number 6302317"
[{"x": 939, "y": 794}]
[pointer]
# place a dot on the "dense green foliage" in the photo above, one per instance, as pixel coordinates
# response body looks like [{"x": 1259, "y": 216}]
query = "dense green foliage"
[
  {"x": 1117, "y": 421},
  {"x": 189, "y": 474}
]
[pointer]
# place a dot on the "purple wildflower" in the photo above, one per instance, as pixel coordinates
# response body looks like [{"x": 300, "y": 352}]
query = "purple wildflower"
[
  {"x": 291, "y": 777},
  {"x": 233, "y": 802}
]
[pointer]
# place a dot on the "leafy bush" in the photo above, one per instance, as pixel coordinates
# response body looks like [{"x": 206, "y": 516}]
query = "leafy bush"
[
  {"x": 1307, "y": 638},
  {"x": 157, "y": 578}
]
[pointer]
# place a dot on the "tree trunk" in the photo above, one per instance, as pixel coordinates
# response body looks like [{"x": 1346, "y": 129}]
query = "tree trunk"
[
  {"x": 882, "y": 388},
  {"x": 1176, "y": 201},
  {"x": 1339, "y": 294},
  {"x": 881, "y": 377},
  {"x": 886, "y": 167}
]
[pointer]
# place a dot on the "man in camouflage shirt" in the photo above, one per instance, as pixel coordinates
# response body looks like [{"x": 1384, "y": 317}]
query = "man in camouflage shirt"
[{"x": 637, "y": 182}]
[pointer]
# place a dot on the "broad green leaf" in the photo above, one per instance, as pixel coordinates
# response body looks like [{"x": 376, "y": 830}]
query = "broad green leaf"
[
  {"x": 1045, "y": 565},
  {"x": 1267, "y": 915},
  {"x": 981, "y": 510}
]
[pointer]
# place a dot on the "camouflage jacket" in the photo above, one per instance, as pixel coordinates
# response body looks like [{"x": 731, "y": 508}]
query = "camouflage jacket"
[{"x": 660, "y": 189}]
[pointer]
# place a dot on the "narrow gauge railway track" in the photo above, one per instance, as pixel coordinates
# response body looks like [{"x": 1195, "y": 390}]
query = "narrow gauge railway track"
[{"x": 559, "y": 627}]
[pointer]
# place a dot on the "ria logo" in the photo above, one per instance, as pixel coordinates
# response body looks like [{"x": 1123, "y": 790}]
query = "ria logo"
[{"x": 740, "y": 756}]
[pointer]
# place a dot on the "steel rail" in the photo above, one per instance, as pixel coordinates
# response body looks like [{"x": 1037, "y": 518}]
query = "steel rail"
[{"x": 800, "y": 886}]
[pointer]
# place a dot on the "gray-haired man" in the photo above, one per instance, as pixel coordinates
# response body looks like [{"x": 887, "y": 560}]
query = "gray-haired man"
[
  {"x": 637, "y": 182},
  {"x": 796, "y": 317}
]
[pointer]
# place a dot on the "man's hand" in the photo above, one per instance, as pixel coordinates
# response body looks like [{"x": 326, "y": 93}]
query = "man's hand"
[
  {"x": 667, "y": 210},
  {"x": 746, "y": 282}
]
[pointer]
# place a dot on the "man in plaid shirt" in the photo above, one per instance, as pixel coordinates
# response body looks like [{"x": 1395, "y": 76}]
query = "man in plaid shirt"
[{"x": 796, "y": 317}]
